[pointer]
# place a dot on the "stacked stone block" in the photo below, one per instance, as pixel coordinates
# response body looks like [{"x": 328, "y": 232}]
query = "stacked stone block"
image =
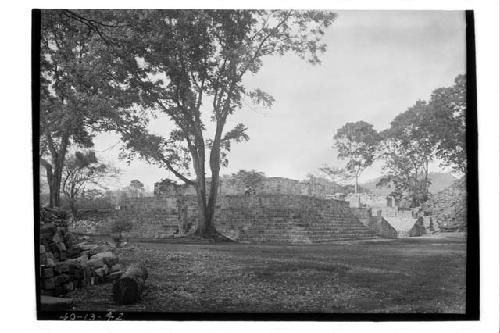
[
  {"x": 262, "y": 218},
  {"x": 65, "y": 265}
]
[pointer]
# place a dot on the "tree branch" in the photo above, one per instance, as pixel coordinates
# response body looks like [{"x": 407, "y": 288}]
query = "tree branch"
[{"x": 177, "y": 173}]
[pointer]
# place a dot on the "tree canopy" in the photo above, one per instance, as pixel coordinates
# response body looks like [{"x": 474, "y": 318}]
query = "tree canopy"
[
  {"x": 249, "y": 178},
  {"x": 83, "y": 172},
  {"x": 82, "y": 89},
  {"x": 447, "y": 123},
  {"x": 196, "y": 61},
  {"x": 357, "y": 143}
]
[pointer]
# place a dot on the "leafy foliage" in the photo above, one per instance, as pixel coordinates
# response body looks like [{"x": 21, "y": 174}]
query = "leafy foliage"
[
  {"x": 447, "y": 122},
  {"x": 427, "y": 130},
  {"x": 121, "y": 225},
  {"x": 84, "y": 173},
  {"x": 357, "y": 142},
  {"x": 408, "y": 149},
  {"x": 195, "y": 62},
  {"x": 249, "y": 178},
  {"x": 83, "y": 87},
  {"x": 336, "y": 174}
]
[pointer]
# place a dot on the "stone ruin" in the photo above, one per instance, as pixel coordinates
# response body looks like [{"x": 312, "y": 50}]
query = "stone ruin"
[
  {"x": 260, "y": 218},
  {"x": 447, "y": 209},
  {"x": 316, "y": 187},
  {"x": 67, "y": 262},
  {"x": 281, "y": 210}
]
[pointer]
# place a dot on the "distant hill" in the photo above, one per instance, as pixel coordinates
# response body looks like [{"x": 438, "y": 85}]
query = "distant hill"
[{"x": 439, "y": 181}]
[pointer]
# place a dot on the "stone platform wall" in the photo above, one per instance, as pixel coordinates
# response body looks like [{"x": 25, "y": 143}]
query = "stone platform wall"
[
  {"x": 262, "y": 218},
  {"x": 375, "y": 221}
]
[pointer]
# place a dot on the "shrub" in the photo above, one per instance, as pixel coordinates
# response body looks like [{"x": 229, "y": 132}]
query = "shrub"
[{"x": 120, "y": 226}]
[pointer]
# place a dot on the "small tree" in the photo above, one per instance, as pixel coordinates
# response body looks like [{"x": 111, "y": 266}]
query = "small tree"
[
  {"x": 120, "y": 226},
  {"x": 84, "y": 173},
  {"x": 357, "y": 142},
  {"x": 250, "y": 178},
  {"x": 136, "y": 188},
  {"x": 337, "y": 175}
]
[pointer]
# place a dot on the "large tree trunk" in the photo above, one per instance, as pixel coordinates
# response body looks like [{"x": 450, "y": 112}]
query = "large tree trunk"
[
  {"x": 56, "y": 170},
  {"x": 198, "y": 155},
  {"x": 50, "y": 181},
  {"x": 56, "y": 185},
  {"x": 202, "y": 207},
  {"x": 212, "y": 201},
  {"x": 214, "y": 186},
  {"x": 54, "y": 180}
]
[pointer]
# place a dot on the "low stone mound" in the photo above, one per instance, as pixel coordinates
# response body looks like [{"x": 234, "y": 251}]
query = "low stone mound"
[
  {"x": 448, "y": 208},
  {"x": 67, "y": 263}
]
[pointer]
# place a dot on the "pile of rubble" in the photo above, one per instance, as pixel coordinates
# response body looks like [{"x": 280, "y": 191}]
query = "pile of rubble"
[
  {"x": 66, "y": 263},
  {"x": 448, "y": 208},
  {"x": 93, "y": 222},
  {"x": 84, "y": 226}
]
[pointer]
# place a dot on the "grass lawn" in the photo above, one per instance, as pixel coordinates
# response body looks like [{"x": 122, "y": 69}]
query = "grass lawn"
[{"x": 405, "y": 275}]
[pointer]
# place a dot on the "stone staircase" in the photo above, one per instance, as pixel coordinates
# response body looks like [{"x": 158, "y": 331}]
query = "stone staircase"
[{"x": 318, "y": 223}]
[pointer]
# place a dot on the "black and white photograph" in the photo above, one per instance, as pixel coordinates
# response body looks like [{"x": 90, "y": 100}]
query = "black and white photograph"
[{"x": 287, "y": 164}]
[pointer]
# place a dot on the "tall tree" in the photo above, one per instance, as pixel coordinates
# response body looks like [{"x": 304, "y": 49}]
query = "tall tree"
[
  {"x": 446, "y": 119},
  {"x": 83, "y": 172},
  {"x": 197, "y": 60},
  {"x": 408, "y": 149},
  {"x": 357, "y": 143},
  {"x": 82, "y": 91}
]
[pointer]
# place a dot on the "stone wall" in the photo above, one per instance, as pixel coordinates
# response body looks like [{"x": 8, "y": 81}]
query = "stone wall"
[
  {"x": 321, "y": 188},
  {"x": 376, "y": 223},
  {"x": 359, "y": 200},
  {"x": 259, "y": 218}
]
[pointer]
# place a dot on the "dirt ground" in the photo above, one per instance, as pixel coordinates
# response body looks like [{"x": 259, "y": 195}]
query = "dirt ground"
[{"x": 415, "y": 275}]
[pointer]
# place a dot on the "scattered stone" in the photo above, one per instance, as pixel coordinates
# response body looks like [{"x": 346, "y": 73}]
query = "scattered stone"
[
  {"x": 47, "y": 228},
  {"x": 62, "y": 267},
  {"x": 115, "y": 275},
  {"x": 100, "y": 272},
  {"x": 49, "y": 283},
  {"x": 107, "y": 258},
  {"x": 115, "y": 268},
  {"x": 50, "y": 262},
  {"x": 65, "y": 263},
  {"x": 448, "y": 208},
  {"x": 83, "y": 259},
  {"x": 95, "y": 263},
  {"x": 48, "y": 272}
]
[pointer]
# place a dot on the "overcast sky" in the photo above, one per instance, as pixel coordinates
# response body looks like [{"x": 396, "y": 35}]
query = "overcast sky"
[{"x": 378, "y": 63}]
